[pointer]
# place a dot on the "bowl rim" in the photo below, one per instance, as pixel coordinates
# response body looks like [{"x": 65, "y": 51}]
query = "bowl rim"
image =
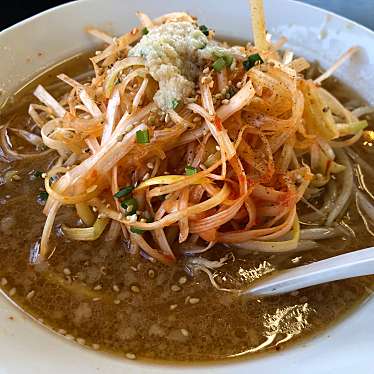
[{"x": 71, "y": 3}]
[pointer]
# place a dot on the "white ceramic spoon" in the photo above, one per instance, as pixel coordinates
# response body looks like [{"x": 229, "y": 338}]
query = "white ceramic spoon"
[{"x": 348, "y": 265}]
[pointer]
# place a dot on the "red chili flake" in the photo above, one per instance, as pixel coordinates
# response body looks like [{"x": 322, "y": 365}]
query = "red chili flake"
[
  {"x": 169, "y": 258},
  {"x": 257, "y": 221},
  {"x": 250, "y": 182},
  {"x": 241, "y": 179},
  {"x": 94, "y": 173},
  {"x": 218, "y": 123}
]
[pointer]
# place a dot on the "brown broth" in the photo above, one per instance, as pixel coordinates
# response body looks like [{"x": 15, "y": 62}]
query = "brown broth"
[{"x": 125, "y": 304}]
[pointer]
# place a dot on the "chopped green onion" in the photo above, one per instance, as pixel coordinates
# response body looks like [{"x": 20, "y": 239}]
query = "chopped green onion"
[
  {"x": 231, "y": 91},
  {"x": 252, "y": 60},
  {"x": 219, "y": 64},
  {"x": 43, "y": 196},
  {"x": 228, "y": 59},
  {"x": 38, "y": 174},
  {"x": 123, "y": 192},
  {"x": 204, "y": 30},
  {"x": 142, "y": 137},
  {"x": 136, "y": 230},
  {"x": 175, "y": 103},
  {"x": 190, "y": 170},
  {"x": 130, "y": 205},
  {"x": 145, "y": 31}
]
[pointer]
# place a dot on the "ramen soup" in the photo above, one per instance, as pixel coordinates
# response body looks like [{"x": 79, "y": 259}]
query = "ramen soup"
[{"x": 173, "y": 175}]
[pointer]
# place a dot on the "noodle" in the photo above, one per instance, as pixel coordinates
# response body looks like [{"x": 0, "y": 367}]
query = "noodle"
[{"x": 244, "y": 144}]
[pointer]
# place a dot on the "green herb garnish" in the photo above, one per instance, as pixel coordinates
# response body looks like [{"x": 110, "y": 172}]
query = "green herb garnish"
[
  {"x": 38, "y": 174},
  {"x": 219, "y": 64},
  {"x": 43, "y": 196},
  {"x": 231, "y": 92},
  {"x": 142, "y": 137},
  {"x": 175, "y": 103},
  {"x": 145, "y": 31},
  {"x": 190, "y": 170},
  {"x": 136, "y": 230},
  {"x": 252, "y": 60},
  {"x": 228, "y": 60},
  {"x": 123, "y": 191},
  {"x": 204, "y": 30},
  {"x": 130, "y": 205}
]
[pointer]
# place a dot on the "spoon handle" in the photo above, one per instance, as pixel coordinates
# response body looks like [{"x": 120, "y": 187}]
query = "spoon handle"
[{"x": 348, "y": 265}]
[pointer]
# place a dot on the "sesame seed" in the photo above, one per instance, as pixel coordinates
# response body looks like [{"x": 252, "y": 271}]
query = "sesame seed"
[
  {"x": 130, "y": 356},
  {"x": 143, "y": 220},
  {"x": 102, "y": 215},
  {"x": 182, "y": 280},
  {"x": 218, "y": 148},
  {"x": 94, "y": 209},
  {"x": 175, "y": 288},
  {"x": 30, "y": 295},
  {"x": 194, "y": 300},
  {"x": 187, "y": 299},
  {"x": 116, "y": 301},
  {"x": 69, "y": 337},
  {"x": 81, "y": 341},
  {"x": 68, "y": 279},
  {"x": 135, "y": 289},
  {"x": 67, "y": 271},
  {"x": 184, "y": 332},
  {"x": 12, "y": 292},
  {"x": 96, "y": 299},
  {"x": 150, "y": 165},
  {"x": 115, "y": 288},
  {"x": 44, "y": 175},
  {"x": 96, "y": 346},
  {"x": 239, "y": 85},
  {"x": 225, "y": 101},
  {"x": 146, "y": 176},
  {"x": 98, "y": 287},
  {"x": 174, "y": 306},
  {"x": 97, "y": 53},
  {"x": 151, "y": 273},
  {"x": 133, "y": 268},
  {"x": 92, "y": 188},
  {"x": 4, "y": 281},
  {"x": 61, "y": 331}
]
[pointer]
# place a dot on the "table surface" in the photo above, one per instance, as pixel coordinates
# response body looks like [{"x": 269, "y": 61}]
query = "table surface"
[{"x": 361, "y": 11}]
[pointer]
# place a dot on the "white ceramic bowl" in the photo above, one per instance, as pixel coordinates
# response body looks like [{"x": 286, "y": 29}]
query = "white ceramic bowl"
[{"x": 30, "y": 46}]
